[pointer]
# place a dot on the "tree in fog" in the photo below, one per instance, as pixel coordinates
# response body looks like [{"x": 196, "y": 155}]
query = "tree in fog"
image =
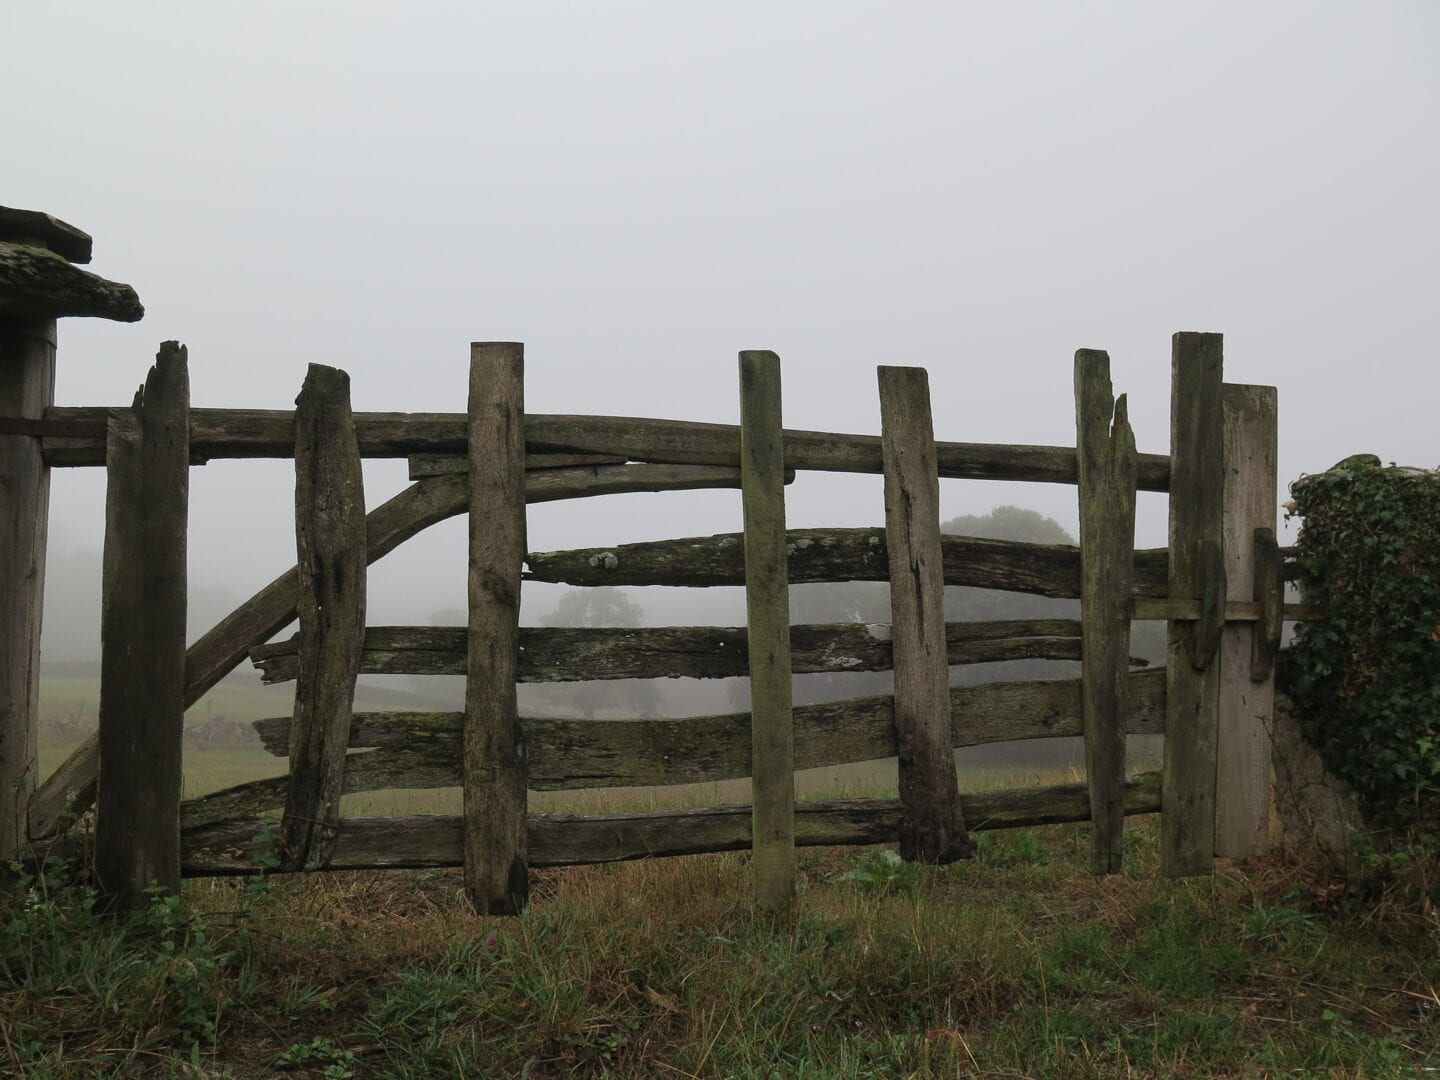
[{"x": 601, "y": 606}]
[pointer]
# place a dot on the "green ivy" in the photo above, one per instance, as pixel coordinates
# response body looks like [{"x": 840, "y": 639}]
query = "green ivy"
[{"x": 1366, "y": 678}]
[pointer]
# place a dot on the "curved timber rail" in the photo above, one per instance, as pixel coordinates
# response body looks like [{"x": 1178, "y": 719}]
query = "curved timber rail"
[
  {"x": 266, "y": 433},
  {"x": 70, "y": 790}
]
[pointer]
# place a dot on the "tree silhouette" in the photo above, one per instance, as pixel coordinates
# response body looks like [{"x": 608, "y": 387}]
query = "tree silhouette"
[
  {"x": 600, "y": 606},
  {"x": 603, "y": 606}
]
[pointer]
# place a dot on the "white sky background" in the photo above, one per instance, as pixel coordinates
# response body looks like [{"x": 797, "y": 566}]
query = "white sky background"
[{"x": 638, "y": 191}]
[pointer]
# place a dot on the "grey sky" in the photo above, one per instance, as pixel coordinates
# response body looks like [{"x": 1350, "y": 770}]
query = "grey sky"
[{"x": 637, "y": 191}]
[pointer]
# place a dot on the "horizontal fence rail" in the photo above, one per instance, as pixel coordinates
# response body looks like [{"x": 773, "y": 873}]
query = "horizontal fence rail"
[
  {"x": 826, "y": 555},
  {"x": 420, "y": 750},
  {"x": 578, "y": 654},
  {"x": 833, "y": 555},
  {"x": 424, "y": 841},
  {"x": 266, "y": 433}
]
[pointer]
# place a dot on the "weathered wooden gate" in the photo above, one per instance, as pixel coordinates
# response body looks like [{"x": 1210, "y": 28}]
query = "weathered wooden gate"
[{"x": 1219, "y": 584}]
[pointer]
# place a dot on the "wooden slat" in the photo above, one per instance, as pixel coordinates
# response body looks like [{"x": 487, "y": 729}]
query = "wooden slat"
[
  {"x": 19, "y": 425},
  {"x": 1234, "y": 610},
  {"x": 142, "y": 666},
  {"x": 419, "y": 750},
  {"x": 1242, "y": 791},
  {"x": 70, "y": 789},
  {"x": 27, "y": 387},
  {"x": 228, "y": 846},
  {"x": 423, "y": 465},
  {"x": 1187, "y": 827},
  {"x": 260, "y": 433},
  {"x": 1107, "y": 551},
  {"x": 933, "y": 829},
  {"x": 820, "y": 555},
  {"x": 1206, "y": 631},
  {"x": 1270, "y": 598},
  {"x": 331, "y": 551},
  {"x": 496, "y": 873},
  {"x": 423, "y": 750},
  {"x": 567, "y": 754},
  {"x": 576, "y": 654},
  {"x": 578, "y": 479},
  {"x": 767, "y": 608}
]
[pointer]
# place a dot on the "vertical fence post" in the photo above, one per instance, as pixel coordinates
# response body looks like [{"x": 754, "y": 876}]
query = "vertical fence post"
[
  {"x": 331, "y": 558},
  {"x": 494, "y": 768},
  {"x": 142, "y": 664},
  {"x": 767, "y": 606},
  {"x": 1197, "y": 571},
  {"x": 1107, "y": 475},
  {"x": 933, "y": 827},
  {"x": 27, "y": 386},
  {"x": 1242, "y": 801}
]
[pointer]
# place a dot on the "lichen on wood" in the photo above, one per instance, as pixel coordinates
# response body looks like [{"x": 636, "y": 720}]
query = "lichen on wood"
[
  {"x": 39, "y": 284},
  {"x": 571, "y": 654}
]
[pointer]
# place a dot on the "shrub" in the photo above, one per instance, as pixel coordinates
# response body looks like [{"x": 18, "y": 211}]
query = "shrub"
[{"x": 1366, "y": 679}]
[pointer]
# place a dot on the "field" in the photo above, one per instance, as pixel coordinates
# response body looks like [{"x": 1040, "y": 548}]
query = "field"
[
  {"x": 221, "y": 750},
  {"x": 1019, "y": 963}
]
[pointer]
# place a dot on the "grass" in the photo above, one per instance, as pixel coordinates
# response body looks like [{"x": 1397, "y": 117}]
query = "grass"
[
  {"x": 77, "y": 698},
  {"x": 1017, "y": 963}
]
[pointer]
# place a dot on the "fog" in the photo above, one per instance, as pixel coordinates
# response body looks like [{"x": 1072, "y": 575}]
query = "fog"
[{"x": 637, "y": 191}]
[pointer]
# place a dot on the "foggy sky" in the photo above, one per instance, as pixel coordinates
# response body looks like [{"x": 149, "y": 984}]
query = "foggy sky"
[{"x": 638, "y": 191}]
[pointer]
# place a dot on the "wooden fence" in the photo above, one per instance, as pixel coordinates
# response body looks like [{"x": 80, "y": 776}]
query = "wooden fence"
[{"x": 1219, "y": 584}]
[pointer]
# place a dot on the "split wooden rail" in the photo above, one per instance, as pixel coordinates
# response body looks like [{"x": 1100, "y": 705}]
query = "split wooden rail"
[{"x": 1218, "y": 583}]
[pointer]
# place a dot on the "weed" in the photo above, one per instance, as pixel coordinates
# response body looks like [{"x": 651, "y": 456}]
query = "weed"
[
  {"x": 108, "y": 990},
  {"x": 336, "y": 1062},
  {"x": 997, "y": 850},
  {"x": 884, "y": 870}
]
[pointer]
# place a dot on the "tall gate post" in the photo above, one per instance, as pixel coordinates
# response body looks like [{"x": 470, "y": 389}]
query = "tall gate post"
[
  {"x": 38, "y": 284},
  {"x": 142, "y": 638},
  {"x": 1105, "y": 453},
  {"x": 1247, "y": 685},
  {"x": 497, "y": 873},
  {"x": 767, "y": 611},
  {"x": 932, "y": 826},
  {"x": 27, "y": 386},
  {"x": 330, "y": 577},
  {"x": 1197, "y": 572}
]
